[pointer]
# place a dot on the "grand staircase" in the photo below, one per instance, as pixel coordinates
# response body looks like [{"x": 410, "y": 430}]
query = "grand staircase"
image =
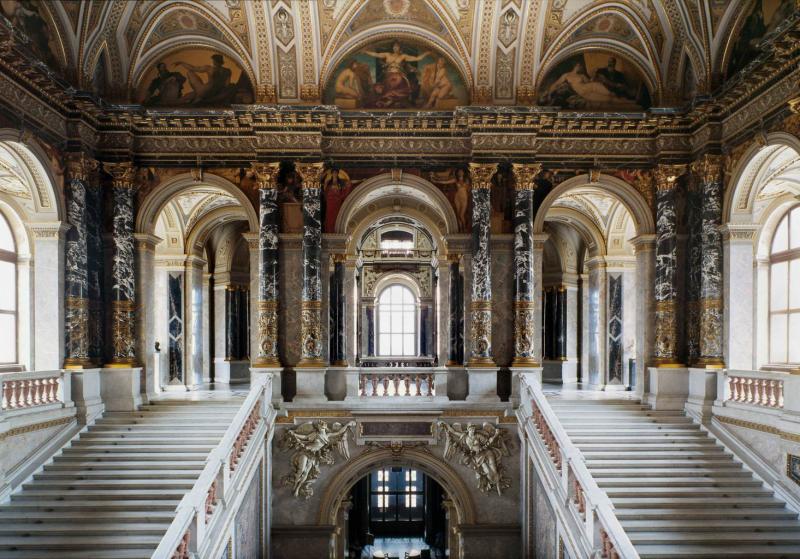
[
  {"x": 677, "y": 493},
  {"x": 112, "y": 493}
]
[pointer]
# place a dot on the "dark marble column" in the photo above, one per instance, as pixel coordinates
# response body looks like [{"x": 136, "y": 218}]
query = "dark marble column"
[
  {"x": 230, "y": 323},
  {"x": 561, "y": 322},
  {"x": 524, "y": 284},
  {"x": 455, "y": 352},
  {"x": 123, "y": 280},
  {"x": 694, "y": 252},
  {"x": 481, "y": 296},
  {"x": 614, "y": 331},
  {"x": 337, "y": 314},
  {"x": 267, "y": 307},
  {"x": 665, "y": 348},
  {"x": 709, "y": 169},
  {"x": 311, "y": 292},
  {"x": 175, "y": 282},
  {"x": 96, "y": 269},
  {"x": 76, "y": 316}
]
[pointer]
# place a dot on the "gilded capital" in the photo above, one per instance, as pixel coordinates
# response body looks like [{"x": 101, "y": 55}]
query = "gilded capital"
[
  {"x": 79, "y": 166},
  {"x": 525, "y": 175},
  {"x": 121, "y": 173},
  {"x": 481, "y": 174},
  {"x": 667, "y": 176},
  {"x": 311, "y": 174},
  {"x": 266, "y": 174},
  {"x": 708, "y": 168}
]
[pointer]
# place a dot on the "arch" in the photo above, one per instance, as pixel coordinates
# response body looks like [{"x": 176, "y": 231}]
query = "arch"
[
  {"x": 205, "y": 226},
  {"x": 744, "y": 181},
  {"x": 338, "y": 488},
  {"x": 415, "y": 197},
  {"x": 634, "y": 202},
  {"x": 397, "y": 278},
  {"x": 592, "y": 237},
  {"x": 48, "y": 204},
  {"x": 156, "y": 201}
]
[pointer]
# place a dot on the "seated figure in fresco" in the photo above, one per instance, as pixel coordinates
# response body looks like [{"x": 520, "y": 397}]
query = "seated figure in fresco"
[
  {"x": 217, "y": 89},
  {"x": 348, "y": 84},
  {"x": 576, "y": 90},
  {"x": 166, "y": 88},
  {"x": 613, "y": 79},
  {"x": 436, "y": 83},
  {"x": 396, "y": 89}
]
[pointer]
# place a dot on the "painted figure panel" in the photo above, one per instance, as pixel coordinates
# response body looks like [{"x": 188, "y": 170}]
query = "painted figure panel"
[
  {"x": 194, "y": 78},
  {"x": 396, "y": 75},
  {"x": 595, "y": 80},
  {"x": 764, "y": 17},
  {"x": 29, "y": 17}
]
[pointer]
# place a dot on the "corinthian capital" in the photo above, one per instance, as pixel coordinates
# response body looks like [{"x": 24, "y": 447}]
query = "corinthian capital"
[
  {"x": 121, "y": 173},
  {"x": 708, "y": 168},
  {"x": 311, "y": 173},
  {"x": 266, "y": 174},
  {"x": 525, "y": 175},
  {"x": 667, "y": 176},
  {"x": 481, "y": 174},
  {"x": 80, "y": 166}
]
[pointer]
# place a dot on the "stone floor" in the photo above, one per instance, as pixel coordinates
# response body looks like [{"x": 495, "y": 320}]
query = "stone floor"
[{"x": 398, "y": 547}]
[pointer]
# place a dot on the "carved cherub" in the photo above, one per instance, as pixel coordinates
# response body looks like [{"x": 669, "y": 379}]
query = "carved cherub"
[
  {"x": 313, "y": 443},
  {"x": 482, "y": 449}
]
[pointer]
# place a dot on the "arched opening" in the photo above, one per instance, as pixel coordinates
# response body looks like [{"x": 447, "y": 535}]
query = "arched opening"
[
  {"x": 593, "y": 314},
  {"x": 396, "y": 322},
  {"x": 9, "y": 322},
  {"x": 758, "y": 257},
  {"x": 201, "y": 280}
]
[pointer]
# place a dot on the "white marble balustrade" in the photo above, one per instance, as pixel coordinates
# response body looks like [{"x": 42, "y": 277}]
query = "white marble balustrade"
[
  {"x": 382, "y": 384},
  {"x": 756, "y": 388},
  {"x": 31, "y": 389}
]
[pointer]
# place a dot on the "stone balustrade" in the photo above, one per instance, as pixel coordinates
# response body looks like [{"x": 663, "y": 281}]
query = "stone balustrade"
[
  {"x": 382, "y": 384},
  {"x": 30, "y": 390},
  {"x": 761, "y": 390},
  {"x": 547, "y": 435}
]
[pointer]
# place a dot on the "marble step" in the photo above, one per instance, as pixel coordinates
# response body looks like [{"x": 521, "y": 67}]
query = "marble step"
[
  {"x": 126, "y": 439},
  {"x": 726, "y": 525},
  {"x": 82, "y": 554},
  {"x": 79, "y": 542},
  {"x": 676, "y": 491},
  {"x": 698, "y": 551},
  {"x": 741, "y": 538},
  {"x": 715, "y": 453},
  {"x": 634, "y": 421},
  {"x": 665, "y": 446},
  {"x": 604, "y": 412},
  {"x": 695, "y": 471},
  {"x": 157, "y": 422},
  {"x": 703, "y": 515},
  {"x": 678, "y": 482},
  {"x": 643, "y": 438},
  {"x": 17, "y": 505},
  {"x": 32, "y": 529},
  {"x": 152, "y": 483},
  {"x": 767, "y": 501},
  {"x": 109, "y": 463},
  {"x": 144, "y": 432},
  {"x": 118, "y": 454},
  {"x": 94, "y": 517},
  {"x": 101, "y": 495},
  {"x": 84, "y": 474},
  {"x": 644, "y": 429}
]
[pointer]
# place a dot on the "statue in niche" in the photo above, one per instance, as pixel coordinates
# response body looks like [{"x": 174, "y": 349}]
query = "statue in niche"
[
  {"x": 482, "y": 449},
  {"x": 456, "y": 186},
  {"x": 313, "y": 443},
  {"x": 336, "y": 186}
]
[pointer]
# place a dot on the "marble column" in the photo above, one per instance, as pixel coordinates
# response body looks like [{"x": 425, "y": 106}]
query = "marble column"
[
  {"x": 267, "y": 295},
  {"x": 694, "y": 255},
  {"x": 481, "y": 296},
  {"x": 76, "y": 276},
  {"x": 337, "y": 310},
  {"x": 311, "y": 292},
  {"x": 614, "y": 330},
  {"x": 524, "y": 285},
  {"x": 123, "y": 281},
  {"x": 561, "y": 322},
  {"x": 739, "y": 296},
  {"x": 95, "y": 268},
  {"x": 455, "y": 353},
  {"x": 230, "y": 324},
  {"x": 49, "y": 240},
  {"x": 644, "y": 250},
  {"x": 709, "y": 170},
  {"x": 665, "y": 350}
]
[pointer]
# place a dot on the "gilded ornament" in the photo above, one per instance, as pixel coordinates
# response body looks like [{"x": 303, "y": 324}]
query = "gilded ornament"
[
  {"x": 667, "y": 175},
  {"x": 265, "y": 174},
  {"x": 481, "y": 174},
  {"x": 525, "y": 175},
  {"x": 310, "y": 173},
  {"x": 121, "y": 173},
  {"x": 80, "y": 167}
]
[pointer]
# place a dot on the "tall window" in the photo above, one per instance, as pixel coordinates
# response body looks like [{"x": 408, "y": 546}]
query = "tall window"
[
  {"x": 396, "y": 495},
  {"x": 8, "y": 294},
  {"x": 397, "y": 322},
  {"x": 784, "y": 291}
]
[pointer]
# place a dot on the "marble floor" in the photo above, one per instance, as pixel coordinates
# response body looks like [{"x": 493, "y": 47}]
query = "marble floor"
[
  {"x": 398, "y": 547},
  {"x": 578, "y": 392}
]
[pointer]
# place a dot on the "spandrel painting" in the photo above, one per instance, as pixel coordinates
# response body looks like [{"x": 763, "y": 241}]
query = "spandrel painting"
[
  {"x": 595, "y": 81},
  {"x": 194, "y": 78},
  {"x": 764, "y": 17},
  {"x": 396, "y": 75},
  {"x": 29, "y": 17}
]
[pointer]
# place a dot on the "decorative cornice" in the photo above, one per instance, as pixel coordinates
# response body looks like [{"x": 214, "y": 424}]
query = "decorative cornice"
[
  {"x": 758, "y": 427},
  {"x": 35, "y": 427}
]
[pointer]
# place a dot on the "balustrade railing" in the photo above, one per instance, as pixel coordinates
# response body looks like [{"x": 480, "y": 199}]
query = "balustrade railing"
[
  {"x": 596, "y": 527},
  {"x": 421, "y": 361},
  {"x": 29, "y": 390},
  {"x": 381, "y": 384},
  {"x": 198, "y": 512},
  {"x": 759, "y": 389}
]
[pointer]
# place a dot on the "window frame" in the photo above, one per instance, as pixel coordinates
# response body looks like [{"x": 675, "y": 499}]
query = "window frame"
[
  {"x": 787, "y": 256},
  {"x": 13, "y": 258},
  {"x": 414, "y": 333}
]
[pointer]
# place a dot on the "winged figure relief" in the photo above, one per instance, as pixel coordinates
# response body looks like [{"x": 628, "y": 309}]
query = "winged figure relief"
[
  {"x": 482, "y": 449},
  {"x": 313, "y": 444}
]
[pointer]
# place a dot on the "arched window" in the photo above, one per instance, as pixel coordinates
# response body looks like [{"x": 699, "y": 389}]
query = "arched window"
[
  {"x": 397, "y": 322},
  {"x": 8, "y": 294},
  {"x": 784, "y": 290}
]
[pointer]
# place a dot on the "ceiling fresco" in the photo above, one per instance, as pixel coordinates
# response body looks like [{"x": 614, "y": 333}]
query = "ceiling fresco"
[{"x": 489, "y": 51}]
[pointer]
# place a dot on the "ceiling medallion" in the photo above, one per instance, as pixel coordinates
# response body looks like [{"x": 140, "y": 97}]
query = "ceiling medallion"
[{"x": 396, "y": 8}]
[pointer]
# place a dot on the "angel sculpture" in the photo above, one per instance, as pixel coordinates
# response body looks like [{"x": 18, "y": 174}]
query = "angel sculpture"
[
  {"x": 482, "y": 449},
  {"x": 312, "y": 443}
]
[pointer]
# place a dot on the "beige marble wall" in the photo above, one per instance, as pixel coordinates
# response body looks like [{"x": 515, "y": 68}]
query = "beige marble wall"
[{"x": 503, "y": 299}]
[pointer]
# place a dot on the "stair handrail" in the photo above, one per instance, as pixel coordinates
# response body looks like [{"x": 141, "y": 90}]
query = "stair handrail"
[
  {"x": 193, "y": 515},
  {"x": 610, "y": 541}
]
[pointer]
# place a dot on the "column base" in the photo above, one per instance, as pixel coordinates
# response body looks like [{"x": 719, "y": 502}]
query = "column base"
[
  {"x": 270, "y": 363},
  {"x": 311, "y": 364},
  {"x": 277, "y": 396},
  {"x": 523, "y": 362},
  {"x": 86, "y": 394},
  {"x": 310, "y": 385},
  {"x": 669, "y": 388},
  {"x": 666, "y": 363},
  {"x": 78, "y": 364},
  {"x": 119, "y": 388},
  {"x": 702, "y": 392},
  {"x": 482, "y": 384},
  {"x": 560, "y": 371},
  {"x": 122, "y": 364},
  {"x": 708, "y": 363},
  {"x": 481, "y": 363},
  {"x": 231, "y": 372}
]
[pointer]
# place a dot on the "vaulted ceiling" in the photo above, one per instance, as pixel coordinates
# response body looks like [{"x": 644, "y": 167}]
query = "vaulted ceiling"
[{"x": 289, "y": 49}]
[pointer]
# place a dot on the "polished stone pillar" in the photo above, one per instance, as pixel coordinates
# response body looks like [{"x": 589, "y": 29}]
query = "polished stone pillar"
[
  {"x": 455, "y": 353},
  {"x": 694, "y": 258},
  {"x": 614, "y": 330},
  {"x": 524, "y": 285},
  {"x": 665, "y": 350},
  {"x": 561, "y": 323},
  {"x": 481, "y": 296},
  {"x": 230, "y": 323},
  {"x": 267, "y": 295},
  {"x": 76, "y": 277},
  {"x": 337, "y": 313},
  {"x": 709, "y": 170},
  {"x": 95, "y": 268},
  {"x": 311, "y": 293},
  {"x": 123, "y": 281}
]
